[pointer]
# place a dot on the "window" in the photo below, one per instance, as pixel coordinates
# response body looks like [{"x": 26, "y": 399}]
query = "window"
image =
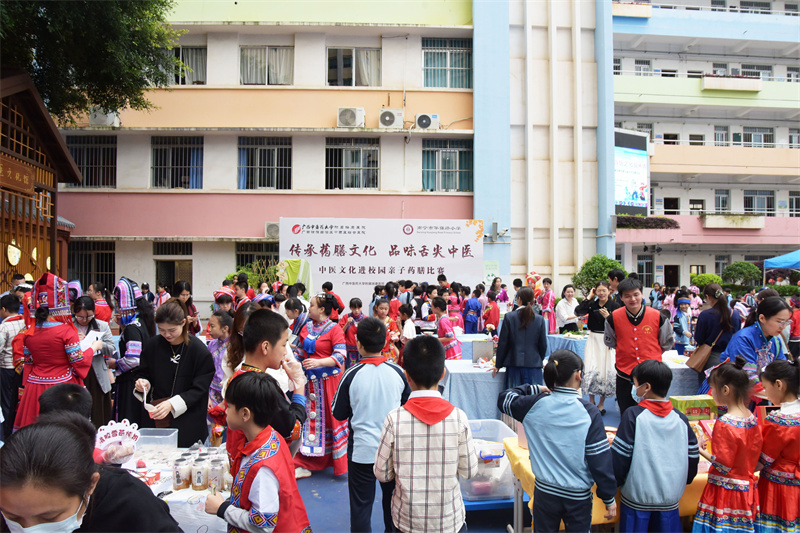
[
  {"x": 359, "y": 67},
  {"x": 250, "y": 252},
  {"x": 793, "y": 74},
  {"x": 618, "y": 125},
  {"x": 177, "y": 162},
  {"x": 761, "y": 8},
  {"x": 669, "y": 73},
  {"x": 720, "y": 263},
  {"x": 794, "y": 137},
  {"x": 644, "y": 267},
  {"x": 617, "y": 66},
  {"x": 718, "y": 5},
  {"x": 756, "y": 258},
  {"x": 447, "y": 165},
  {"x": 351, "y": 163},
  {"x": 172, "y": 248},
  {"x": 697, "y": 206},
  {"x": 694, "y": 74},
  {"x": 697, "y": 140},
  {"x": 670, "y": 138},
  {"x": 721, "y": 135},
  {"x": 195, "y": 59},
  {"x": 720, "y": 69},
  {"x": 266, "y": 65},
  {"x": 759, "y": 137},
  {"x": 794, "y": 203},
  {"x": 790, "y": 10},
  {"x": 643, "y": 67},
  {"x": 672, "y": 206},
  {"x": 645, "y": 127},
  {"x": 447, "y": 63},
  {"x": 265, "y": 163},
  {"x": 757, "y": 71},
  {"x": 96, "y": 157},
  {"x": 697, "y": 269},
  {"x": 722, "y": 200},
  {"x": 91, "y": 261},
  {"x": 762, "y": 202}
]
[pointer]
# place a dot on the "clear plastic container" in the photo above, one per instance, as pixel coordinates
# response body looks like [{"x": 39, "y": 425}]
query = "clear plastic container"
[
  {"x": 157, "y": 438},
  {"x": 494, "y": 480}
]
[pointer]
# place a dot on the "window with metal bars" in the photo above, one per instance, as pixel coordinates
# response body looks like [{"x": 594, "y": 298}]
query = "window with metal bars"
[
  {"x": 617, "y": 66},
  {"x": 645, "y": 127},
  {"x": 643, "y": 67},
  {"x": 265, "y": 163},
  {"x": 697, "y": 206},
  {"x": 756, "y": 258},
  {"x": 757, "y": 71},
  {"x": 694, "y": 74},
  {"x": 761, "y": 8},
  {"x": 172, "y": 248},
  {"x": 447, "y": 63},
  {"x": 718, "y": 5},
  {"x": 644, "y": 268},
  {"x": 720, "y": 69},
  {"x": 177, "y": 162},
  {"x": 794, "y": 137},
  {"x": 793, "y": 74},
  {"x": 794, "y": 203},
  {"x": 195, "y": 58},
  {"x": 92, "y": 261},
  {"x": 720, "y": 263},
  {"x": 249, "y": 252},
  {"x": 447, "y": 165},
  {"x": 761, "y": 202},
  {"x": 722, "y": 200},
  {"x": 697, "y": 139},
  {"x": 352, "y": 163},
  {"x": 721, "y": 135},
  {"x": 791, "y": 10},
  {"x": 96, "y": 158},
  {"x": 758, "y": 137},
  {"x": 697, "y": 269}
]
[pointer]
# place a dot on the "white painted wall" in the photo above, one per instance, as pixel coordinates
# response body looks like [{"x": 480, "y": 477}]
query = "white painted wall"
[
  {"x": 310, "y": 60},
  {"x": 223, "y": 59},
  {"x": 220, "y": 162},
  {"x": 133, "y": 160}
]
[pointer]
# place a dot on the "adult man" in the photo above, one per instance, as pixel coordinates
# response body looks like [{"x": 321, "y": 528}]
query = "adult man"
[
  {"x": 16, "y": 279},
  {"x": 639, "y": 333}
]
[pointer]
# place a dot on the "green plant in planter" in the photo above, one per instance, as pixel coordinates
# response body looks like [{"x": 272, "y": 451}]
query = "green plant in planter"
[
  {"x": 594, "y": 270},
  {"x": 742, "y": 272},
  {"x": 701, "y": 280}
]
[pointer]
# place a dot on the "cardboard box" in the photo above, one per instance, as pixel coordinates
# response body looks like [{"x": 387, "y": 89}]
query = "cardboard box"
[{"x": 700, "y": 407}]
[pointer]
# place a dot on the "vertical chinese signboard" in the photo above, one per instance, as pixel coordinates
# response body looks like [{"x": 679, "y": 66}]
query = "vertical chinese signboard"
[{"x": 357, "y": 254}]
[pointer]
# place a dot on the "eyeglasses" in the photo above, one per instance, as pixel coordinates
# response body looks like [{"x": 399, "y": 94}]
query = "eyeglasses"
[
  {"x": 83, "y": 318},
  {"x": 784, "y": 323}
]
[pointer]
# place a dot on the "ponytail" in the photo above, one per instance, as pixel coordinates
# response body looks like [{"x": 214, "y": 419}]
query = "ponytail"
[
  {"x": 41, "y": 315},
  {"x": 146, "y": 315},
  {"x": 560, "y": 367},
  {"x": 526, "y": 312},
  {"x": 732, "y": 374},
  {"x": 714, "y": 290},
  {"x": 786, "y": 371},
  {"x": 769, "y": 307},
  {"x": 236, "y": 344}
]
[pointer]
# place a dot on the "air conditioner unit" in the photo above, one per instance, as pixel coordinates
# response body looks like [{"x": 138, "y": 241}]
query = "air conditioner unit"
[
  {"x": 272, "y": 230},
  {"x": 350, "y": 117},
  {"x": 427, "y": 121},
  {"x": 98, "y": 118},
  {"x": 390, "y": 118}
]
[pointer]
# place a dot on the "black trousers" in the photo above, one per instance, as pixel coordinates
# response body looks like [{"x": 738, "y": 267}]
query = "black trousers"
[
  {"x": 549, "y": 511},
  {"x": 361, "y": 485},
  {"x": 10, "y": 382},
  {"x": 624, "y": 398}
]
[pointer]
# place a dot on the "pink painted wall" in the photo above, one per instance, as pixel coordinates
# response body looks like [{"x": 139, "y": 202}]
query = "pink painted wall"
[
  {"x": 776, "y": 231},
  {"x": 156, "y": 214}
]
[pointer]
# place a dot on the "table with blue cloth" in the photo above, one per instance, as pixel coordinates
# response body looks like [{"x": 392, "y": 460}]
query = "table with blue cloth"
[
  {"x": 473, "y": 390},
  {"x": 560, "y": 342},
  {"x": 466, "y": 341}
]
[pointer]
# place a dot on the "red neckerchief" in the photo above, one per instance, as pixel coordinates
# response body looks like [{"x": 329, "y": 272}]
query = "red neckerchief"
[
  {"x": 13, "y": 318},
  {"x": 251, "y": 447},
  {"x": 661, "y": 409},
  {"x": 374, "y": 360},
  {"x": 429, "y": 409}
]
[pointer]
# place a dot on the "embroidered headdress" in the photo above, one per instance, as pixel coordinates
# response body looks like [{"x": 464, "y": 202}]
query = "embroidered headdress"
[
  {"x": 51, "y": 292},
  {"x": 126, "y": 293}
]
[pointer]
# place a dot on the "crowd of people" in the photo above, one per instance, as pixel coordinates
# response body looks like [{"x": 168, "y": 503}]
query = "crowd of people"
[{"x": 303, "y": 384}]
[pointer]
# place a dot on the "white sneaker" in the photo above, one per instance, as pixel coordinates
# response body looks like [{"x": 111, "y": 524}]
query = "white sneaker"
[{"x": 300, "y": 473}]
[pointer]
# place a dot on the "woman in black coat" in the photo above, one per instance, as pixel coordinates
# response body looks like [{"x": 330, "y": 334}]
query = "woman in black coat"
[{"x": 522, "y": 345}]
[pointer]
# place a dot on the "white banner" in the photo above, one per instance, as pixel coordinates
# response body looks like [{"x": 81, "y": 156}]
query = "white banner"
[{"x": 357, "y": 254}]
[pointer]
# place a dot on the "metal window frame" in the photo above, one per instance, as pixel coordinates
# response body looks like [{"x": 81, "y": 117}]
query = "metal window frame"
[
  {"x": 266, "y": 47},
  {"x": 84, "y": 261},
  {"x": 717, "y": 197},
  {"x": 645, "y": 276},
  {"x": 753, "y": 195},
  {"x": 96, "y": 157},
  {"x": 178, "y": 50},
  {"x": 282, "y": 148},
  {"x": 170, "y": 248},
  {"x": 457, "y": 146},
  {"x": 362, "y": 144},
  {"x": 171, "y": 147},
  {"x": 448, "y": 49},
  {"x": 720, "y": 259},
  {"x": 250, "y": 252},
  {"x": 354, "y": 49}
]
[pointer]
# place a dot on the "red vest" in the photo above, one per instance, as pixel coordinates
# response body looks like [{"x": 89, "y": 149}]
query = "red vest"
[
  {"x": 636, "y": 344},
  {"x": 274, "y": 453}
]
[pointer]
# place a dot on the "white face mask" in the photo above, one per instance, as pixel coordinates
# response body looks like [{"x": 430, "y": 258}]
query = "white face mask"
[{"x": 67, "y": 525}]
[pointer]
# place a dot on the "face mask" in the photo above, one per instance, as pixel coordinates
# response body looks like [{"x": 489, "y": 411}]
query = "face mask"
[
  {"x": 64, "y": 526},
  {"x": 634, "y": 395}
]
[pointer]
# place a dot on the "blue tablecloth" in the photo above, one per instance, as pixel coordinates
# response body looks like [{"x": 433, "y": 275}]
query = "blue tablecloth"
[
  {"x": 559, "y": 342},
  {"x": 473, "y": 390},
  {"x": 466, "y": 343}
]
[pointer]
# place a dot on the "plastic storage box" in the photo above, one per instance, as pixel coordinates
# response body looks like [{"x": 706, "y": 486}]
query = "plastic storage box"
[
  {"x": 494, "y": 480},
  {"x": 150, "y": 438}
]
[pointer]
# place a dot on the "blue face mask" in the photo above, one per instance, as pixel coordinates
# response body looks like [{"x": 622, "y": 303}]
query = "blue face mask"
[{"x": 634, "y": 395}]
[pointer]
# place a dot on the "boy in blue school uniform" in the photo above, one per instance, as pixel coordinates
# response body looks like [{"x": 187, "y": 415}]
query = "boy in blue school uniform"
[
  {"x": 368, "y": 391},
  {"x": 472, "y": 312},
  {"x": 655, "y": 454}
]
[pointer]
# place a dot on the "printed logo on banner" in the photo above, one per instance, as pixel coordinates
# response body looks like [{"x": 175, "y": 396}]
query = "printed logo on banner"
[
  {"x": 408, "y": 229},
  {"x": 296, "y": 229}
]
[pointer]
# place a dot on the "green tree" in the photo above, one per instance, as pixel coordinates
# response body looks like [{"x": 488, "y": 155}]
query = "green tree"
[
  {"x": 594, "y": 270},
  {"x": 701, "y": 280},
  {"x": 87, "y": 53},
  {"x": 741, "y": 272}
]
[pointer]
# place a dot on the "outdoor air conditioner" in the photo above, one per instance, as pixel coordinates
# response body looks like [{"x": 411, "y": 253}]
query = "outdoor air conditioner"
[
  {"x": 350, "y": 117},
  {"x": 427, "y": 121},
  {"x": 390, "y": 118},
  {"x": 98, "y": 118},
  {"x": 272, "y": 230}
]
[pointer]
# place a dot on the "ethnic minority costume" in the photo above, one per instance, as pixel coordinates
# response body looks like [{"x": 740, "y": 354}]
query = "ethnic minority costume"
[
  {"x": 324, "y": 439},
  {"x": 472, "y": 312},
  {"x": 392, "y": 334},
  {"x": 350, "y": 329},
  {"x": 132, "y": 336},
  {"x": 454, "y": 312},
  {"x": 779, "y": 483},
  {"x": 548, "y": 303},
  {"x": 730, "y": 500},
  {"x": 51, "y": 350},
  {"x": 219, "y": 352},
  {"x": 444, "y": 329},
  {"x": 102, "y": 311},
  {"x": 264, "y": 492}
]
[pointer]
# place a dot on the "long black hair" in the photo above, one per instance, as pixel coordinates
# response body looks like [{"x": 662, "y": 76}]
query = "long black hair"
[
  {"x": 734, "y": 376},
  {"x": 147, "y": 315},
  {"x": 786, "y": 371},
  {"x": 714, "y": 290},
  {"x": 526, "y": 312},
  {"x": 181, "y": 286},
  {"x": 560, "y": 368},
  {"x": 769, "y": 307},
  {"x": 98, "y": 286}
]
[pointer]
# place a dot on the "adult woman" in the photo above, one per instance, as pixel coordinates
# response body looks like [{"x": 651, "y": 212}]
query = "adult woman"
[
  {"x": 103, "y": 306},
  {"x": 183, "y": 291},
  {"x": 656, "y": 296},
  {"x": 51, "y": 348},
  {"x": 296, "y": 315},
  {"x": 49, "y": 482},
  {"x": 320, "y": 347},
  {"x": 176, "y": 371},
  {"x": 97, "y": 381},
  {"x": 758, "y": 343},
  {"x": 599, "y": 377},
  {"x": 548, "y": 302},
  {"x": 496, "y": 287},
  {"x": 566, "y": 318},
  {"x": 137, "y": 324},
  {"x": 522, "y": 345},
  {"x": 716, "y": 325}
]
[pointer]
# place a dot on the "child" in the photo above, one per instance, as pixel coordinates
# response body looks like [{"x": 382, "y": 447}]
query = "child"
[
  {"x": 472, "y": 311},
  {"x": 394, "y": 302},
  {"x": 779, "y": 485},
  {"x": 66, "y": 397},
  {"x": 409, "y": 329},
  {"x": 349, "y": 324},
  {"x": 297, "y": 314},
  {"x": 219, "y": 329},
  {"x": 491, "y": 316},
  {"x": 223, "y": 298},
  {"x": 444, "y": 329},
  {"x": 454, "y": 310},
  {"x": 10, "y": 381},
  {"x": 424, "y": 446},
  {"x": 730, "y": 501},
  {"x": 566, "y": 471},
  {"x": 649, "y": 454},
  {"x": 241, "y": 294},
  {"x": 264, "y": 495},
  {"x": 382, "y": 307},
  {"x": 366, "y": 394},
  {"x": 680, "y": 326}
]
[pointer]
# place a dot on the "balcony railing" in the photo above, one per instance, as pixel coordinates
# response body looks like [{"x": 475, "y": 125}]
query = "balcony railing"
[
  {"x": 728, "y": 9},
  {"x": 698, "y": 75},
  {"x": 748, "y": 144},
  {"x": 791, "y": 213}
]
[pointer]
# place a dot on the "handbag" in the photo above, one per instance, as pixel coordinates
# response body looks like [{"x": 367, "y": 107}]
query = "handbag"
[{"x": 697, "y": 361}]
